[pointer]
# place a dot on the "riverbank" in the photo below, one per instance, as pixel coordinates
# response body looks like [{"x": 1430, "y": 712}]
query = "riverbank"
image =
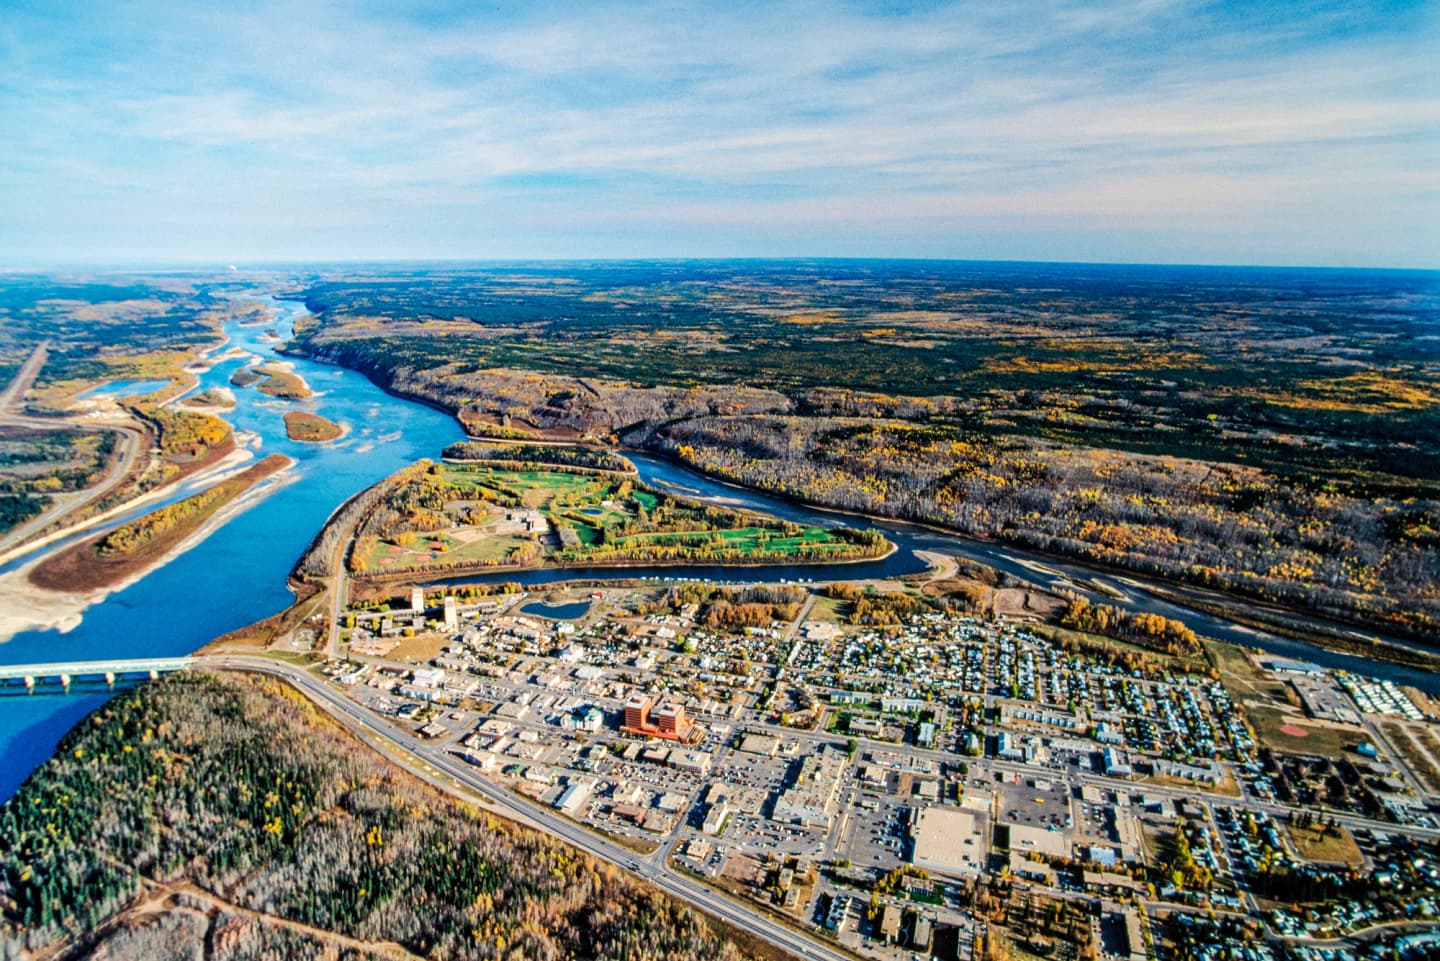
[
  {"x": 221, "y": 465},
  {"x": 366, "y": 585},
  {"x": 23, "y": 607},
  {"x": 1319, "y": 631},
  {"x": 128, "y": 551}
]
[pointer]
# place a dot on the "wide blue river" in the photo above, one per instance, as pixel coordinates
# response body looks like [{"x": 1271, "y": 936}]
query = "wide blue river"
[{"x": 237, "y": 575}]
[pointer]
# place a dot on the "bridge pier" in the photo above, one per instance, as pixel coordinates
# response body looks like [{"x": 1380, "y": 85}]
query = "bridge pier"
[{"x": 66, "y": 672}]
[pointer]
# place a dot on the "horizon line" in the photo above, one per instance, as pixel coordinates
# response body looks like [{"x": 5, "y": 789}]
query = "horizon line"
[{"x": 244, "y": 266}]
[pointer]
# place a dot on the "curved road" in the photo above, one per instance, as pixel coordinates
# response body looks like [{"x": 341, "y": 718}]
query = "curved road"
[{"x": 68, "y": 503}]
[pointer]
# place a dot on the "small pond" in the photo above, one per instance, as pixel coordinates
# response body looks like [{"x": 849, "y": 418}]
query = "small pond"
[{"x": 557, "y": 612}]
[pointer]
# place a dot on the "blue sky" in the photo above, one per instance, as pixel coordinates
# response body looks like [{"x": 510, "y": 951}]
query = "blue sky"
[{"x": 1143, "y": 130}]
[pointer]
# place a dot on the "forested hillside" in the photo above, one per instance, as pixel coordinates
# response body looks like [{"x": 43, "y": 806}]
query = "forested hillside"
[
  {"x": 1216, "y": 525},
  {"x": 223, "y": 817},
  {"x": 1271, "y": 433}
]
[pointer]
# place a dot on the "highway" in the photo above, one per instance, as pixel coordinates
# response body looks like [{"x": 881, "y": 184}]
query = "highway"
[
  {"x": 441, "y": 769},
  {"x": 62, "y": 505},
  {"x": 25, "y": 376}
]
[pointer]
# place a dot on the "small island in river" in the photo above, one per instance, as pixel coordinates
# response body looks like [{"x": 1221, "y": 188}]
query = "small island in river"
[
  {"x": 312, "y": 428},
  {"x": 273, "y": 380}
]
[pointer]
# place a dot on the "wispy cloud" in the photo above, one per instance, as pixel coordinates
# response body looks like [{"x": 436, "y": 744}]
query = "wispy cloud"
[{"x": 1128, "y": 129}]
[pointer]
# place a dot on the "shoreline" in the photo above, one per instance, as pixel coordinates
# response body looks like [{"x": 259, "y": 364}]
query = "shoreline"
[
  {"x": 1171, "y": 592},
  {"x": 80, "y": 568},
  {"x": 25, "y": 607},
  {"x": 219, "y": 470}
]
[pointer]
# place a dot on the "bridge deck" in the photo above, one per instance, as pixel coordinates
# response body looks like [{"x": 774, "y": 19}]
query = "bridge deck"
[{"x": 99, "y": 668}]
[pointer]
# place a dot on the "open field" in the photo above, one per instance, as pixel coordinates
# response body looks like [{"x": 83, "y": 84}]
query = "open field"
[
  {"x": 1288, "y": 731},
  {"x": 1332, "y": 844},
  {"x": 454, "y": 516},
  {"x": 1245, "y": 682}
]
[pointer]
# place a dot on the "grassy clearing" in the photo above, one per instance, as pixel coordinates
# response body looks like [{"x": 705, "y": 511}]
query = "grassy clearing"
[
  {"x": 419, "y": 649},
  {"x": 1333, "y": 742},
  {"x": 831, "y": 610},
  {"x": 1239, "y": 675},
  {"x": 1332, "y": 845}
]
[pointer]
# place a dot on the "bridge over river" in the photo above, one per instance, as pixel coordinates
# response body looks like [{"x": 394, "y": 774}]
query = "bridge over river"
[{"x": 68, "y": 672}]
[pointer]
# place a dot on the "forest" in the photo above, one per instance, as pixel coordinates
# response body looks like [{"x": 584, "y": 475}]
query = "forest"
[
  {"x": 1269, "y": 433},
  {"x": 37, "y": 463},
  {"x": 224, "y": 817},
  {"x": 551, "y": 454},
  {"x": 1374, "y": 559},
  {"x": 110, "y": 328},
  {"x": 182, "y": 435}
]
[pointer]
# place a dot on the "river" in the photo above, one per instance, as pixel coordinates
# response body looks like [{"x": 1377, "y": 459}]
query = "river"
[{"x": 237, "y": 575}]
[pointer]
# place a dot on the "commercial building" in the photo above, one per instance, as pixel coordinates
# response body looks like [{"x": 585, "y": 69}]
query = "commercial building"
[
  {"x": 668, "y": 721},
  {"x": 762, "y": 744},
  {"x": 575, "y": 796},
  {"x": 1027, "y": 838},
  {"x": 672, "y": 722},
  {"x": 811, "y": 799},
  {"x": 1115, "y": 764},
  {"x": 715, "y": 818},
  {"x": 637, "y": 714},
  {"x": 948, "y": 841}
]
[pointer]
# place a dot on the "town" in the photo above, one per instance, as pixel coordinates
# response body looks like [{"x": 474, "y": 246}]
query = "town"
[{"x": 942, "y": 784}]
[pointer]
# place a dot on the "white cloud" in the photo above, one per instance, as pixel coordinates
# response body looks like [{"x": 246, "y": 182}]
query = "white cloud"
[{"x": 1107, "y": 114}]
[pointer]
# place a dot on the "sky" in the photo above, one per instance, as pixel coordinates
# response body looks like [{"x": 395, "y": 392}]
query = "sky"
[{"x": 166, "y": 131}]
